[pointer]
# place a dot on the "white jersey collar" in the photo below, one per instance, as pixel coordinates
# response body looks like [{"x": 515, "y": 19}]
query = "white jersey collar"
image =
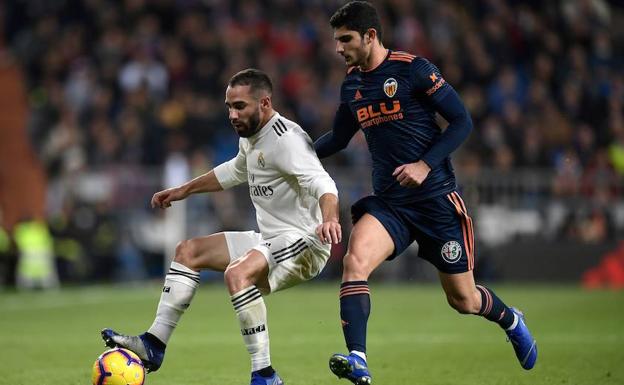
[{"x": 266, "y": 127}]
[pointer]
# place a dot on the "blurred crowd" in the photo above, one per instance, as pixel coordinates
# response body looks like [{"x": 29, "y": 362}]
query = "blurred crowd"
[{"x": 139, "y": 84}]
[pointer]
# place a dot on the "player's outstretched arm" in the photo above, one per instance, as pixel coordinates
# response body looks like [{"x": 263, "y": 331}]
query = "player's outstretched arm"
[
  {"x": 329, "y": 231},
  {"x": 204, "y": 183},
  {"x": 339, "y": 137}
]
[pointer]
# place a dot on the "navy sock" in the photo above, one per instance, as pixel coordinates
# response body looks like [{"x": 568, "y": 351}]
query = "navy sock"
[
  {"x": 354, "y": 311},
  {"x": 266, "y": 372},
  {"x": 152, "y": 339},
  {"x": 493, "y": 309}
]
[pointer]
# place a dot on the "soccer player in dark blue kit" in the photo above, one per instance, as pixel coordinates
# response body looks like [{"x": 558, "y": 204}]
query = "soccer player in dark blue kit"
[{"x": 393, "y": 98}]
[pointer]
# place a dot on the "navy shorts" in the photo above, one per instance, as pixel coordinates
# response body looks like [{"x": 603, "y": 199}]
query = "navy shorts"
[{"x": 440, "y": 225}]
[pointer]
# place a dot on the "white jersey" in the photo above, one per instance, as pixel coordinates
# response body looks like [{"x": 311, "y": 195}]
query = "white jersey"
[{"x": 285, "y": 178}]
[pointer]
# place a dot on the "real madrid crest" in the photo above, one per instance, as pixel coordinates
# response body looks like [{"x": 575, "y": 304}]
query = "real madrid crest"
[
  {"x": 390, "y": 87},
  {"x": 261, "y": 160}
]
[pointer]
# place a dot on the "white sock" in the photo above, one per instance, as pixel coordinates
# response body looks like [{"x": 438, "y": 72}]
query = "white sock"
[
  {"x": 178, "y": 291},
  {"x": 514, "y": 324},
  {"x": 251, "y": 312},
  {"x": 359, "y": 354}
]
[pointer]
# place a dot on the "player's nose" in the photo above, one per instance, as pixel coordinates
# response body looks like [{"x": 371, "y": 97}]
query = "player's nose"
[{"x": 339, "y": 48}]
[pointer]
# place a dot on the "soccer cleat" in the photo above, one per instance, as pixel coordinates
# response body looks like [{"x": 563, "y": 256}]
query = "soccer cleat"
[
  {"x": 523, "y": 342},
  {"x": 351, "y": 367},
  {"x": 257, "y": 379},
  {"x": 151, "y": 355}
]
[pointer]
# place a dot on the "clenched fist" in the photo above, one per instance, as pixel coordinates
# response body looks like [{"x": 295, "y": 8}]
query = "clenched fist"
[{"x": 164, "y": 198}]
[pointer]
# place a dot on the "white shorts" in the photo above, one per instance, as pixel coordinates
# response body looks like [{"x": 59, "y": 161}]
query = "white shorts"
[{"x": 292, "y": 257}]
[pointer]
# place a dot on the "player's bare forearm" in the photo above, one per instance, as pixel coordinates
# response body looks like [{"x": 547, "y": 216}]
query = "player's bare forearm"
[
  {"x": 207, "y": 182},
  {"x": 329, "y": 231},
  {"x": 204, "y": 183},
  {"x": 329, "y": 207}
]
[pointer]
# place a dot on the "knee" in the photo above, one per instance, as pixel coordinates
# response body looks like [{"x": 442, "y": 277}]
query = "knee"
[
  {"x": 236, "y": 277},
  {"x": 356, "y": 265},
  {"x": 463, "y": 304},
  {"x": 186, "y": 254}
]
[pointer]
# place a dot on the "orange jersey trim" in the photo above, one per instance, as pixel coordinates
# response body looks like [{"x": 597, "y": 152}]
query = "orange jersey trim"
[
  {"x": 401, "y": 56},
  {"x": 401, "y": 59},
  {"x": 402, "y": 53}
]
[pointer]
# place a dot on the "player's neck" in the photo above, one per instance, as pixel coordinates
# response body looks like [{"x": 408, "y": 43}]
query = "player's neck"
[
  {"x": 377, "y": 56},
  {"x": 268, "y": 116}
]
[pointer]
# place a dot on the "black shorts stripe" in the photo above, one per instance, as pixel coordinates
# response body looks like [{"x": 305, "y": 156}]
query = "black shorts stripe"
[
  {"x": 288, "y": 248},
  {"x": 292, "y": 254}
]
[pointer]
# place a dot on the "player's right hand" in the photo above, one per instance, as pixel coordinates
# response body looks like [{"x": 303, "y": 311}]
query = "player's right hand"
[
  {"x": 329, "y": 232},
  {"x": 164, "y": 198}
]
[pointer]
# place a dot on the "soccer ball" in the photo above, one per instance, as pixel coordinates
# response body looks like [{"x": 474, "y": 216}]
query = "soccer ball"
[{"x": 118, "y": 367}]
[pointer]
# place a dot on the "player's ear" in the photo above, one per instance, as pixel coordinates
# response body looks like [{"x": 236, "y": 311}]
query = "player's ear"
[
  {"x": 265, "y": 101},
  {"x": 370, "y": 35}
]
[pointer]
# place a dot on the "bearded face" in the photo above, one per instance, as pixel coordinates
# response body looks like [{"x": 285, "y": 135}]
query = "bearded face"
[
  {"x": 244, "y": 110},
  {"x": 247, "y": 126}
]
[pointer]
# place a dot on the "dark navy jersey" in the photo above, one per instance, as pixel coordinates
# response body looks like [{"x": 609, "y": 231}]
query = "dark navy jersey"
[{"x": 395, "y": 105}]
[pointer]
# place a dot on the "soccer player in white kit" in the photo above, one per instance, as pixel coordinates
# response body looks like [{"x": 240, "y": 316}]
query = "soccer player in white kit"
[{"x": 296, "y": 204}]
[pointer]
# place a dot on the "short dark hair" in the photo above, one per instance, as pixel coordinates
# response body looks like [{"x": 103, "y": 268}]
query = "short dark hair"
[
  {"x": 256, "y": 79},
  {"x": 357, "y": 16}
]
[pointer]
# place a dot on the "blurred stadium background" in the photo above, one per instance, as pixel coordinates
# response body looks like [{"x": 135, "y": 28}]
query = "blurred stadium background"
[{"x": 105, "y": 102}]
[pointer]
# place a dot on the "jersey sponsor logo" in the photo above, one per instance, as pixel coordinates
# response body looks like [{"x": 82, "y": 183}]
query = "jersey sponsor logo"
[
  {"x": 358, "y": 95},
  {"x": 257, "y": 190},
  {"x": 380, "y": 113},
  {"x": 261, "y": 162},
  {"x": 390, "y": 87},
  {"x": 451, "y": 251},
  {"x": 436, "y": 86},
  {"x": 254, "y": 330},
  {"x": 433, "y": 77}
]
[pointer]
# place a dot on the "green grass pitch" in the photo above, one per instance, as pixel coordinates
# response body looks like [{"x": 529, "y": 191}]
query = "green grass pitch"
[{"x": 414, "y": 337}]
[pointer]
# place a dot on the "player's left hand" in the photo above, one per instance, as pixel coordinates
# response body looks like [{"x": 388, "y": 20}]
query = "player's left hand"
[
  {"x": 412, "y": 174},
  {"x": 329, "y": 232}
]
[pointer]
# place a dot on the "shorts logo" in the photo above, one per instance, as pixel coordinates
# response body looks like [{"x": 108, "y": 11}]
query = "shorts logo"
[
  {"x": 451, "y": 251},
  {"x": 390, "y": 87}
]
